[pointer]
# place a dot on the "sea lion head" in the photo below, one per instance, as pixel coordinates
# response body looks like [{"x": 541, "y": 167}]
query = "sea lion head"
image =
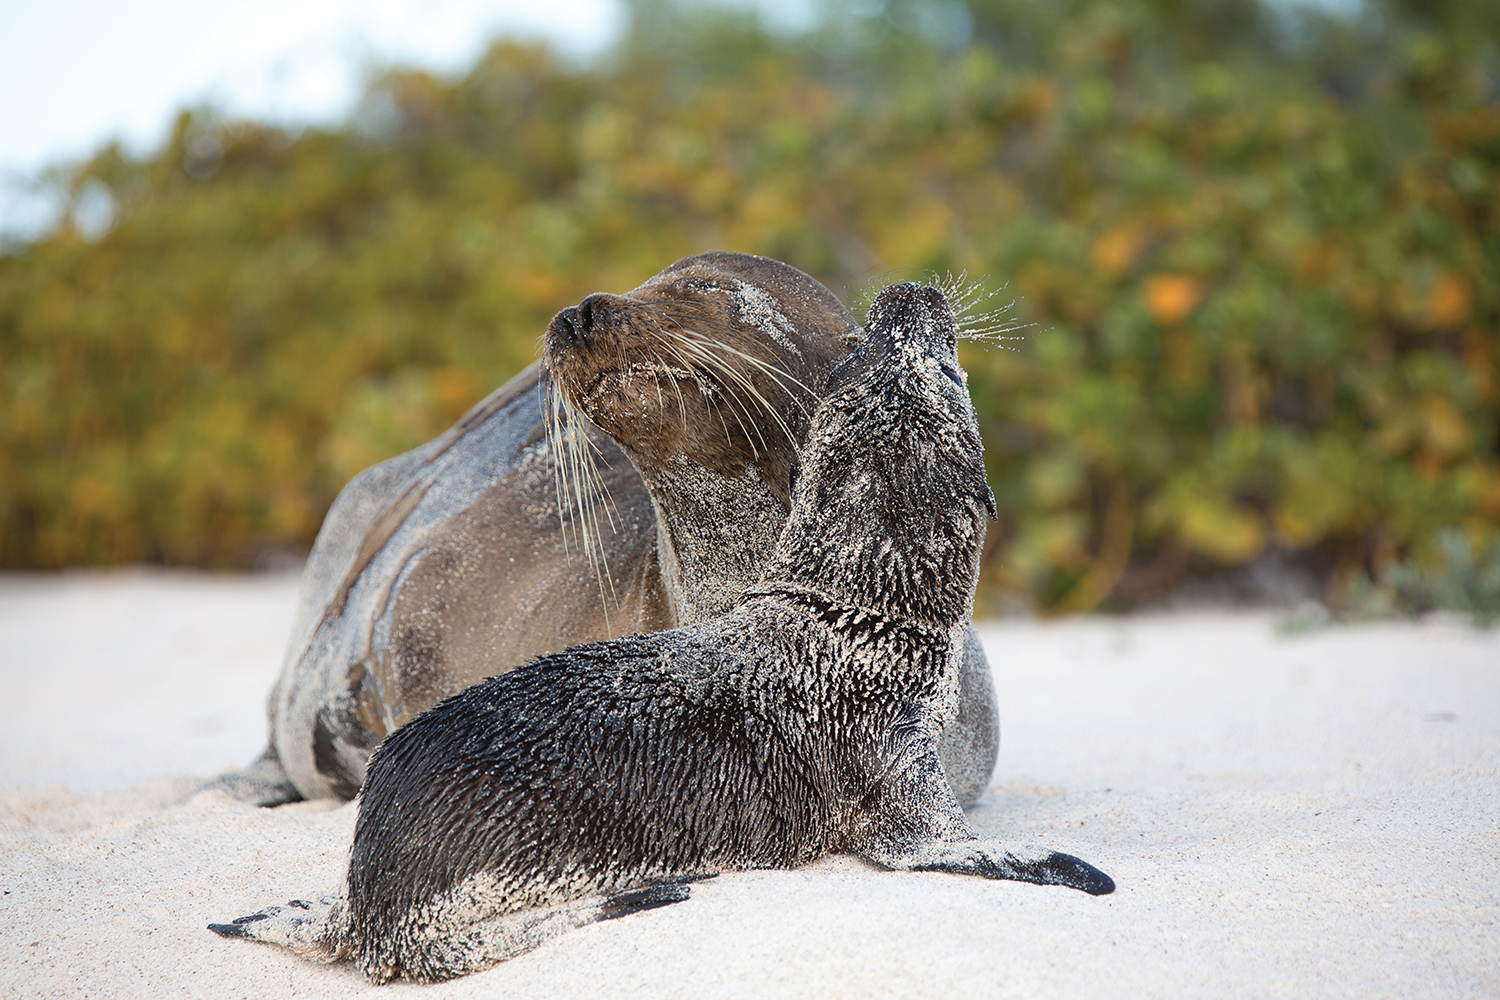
[
  {"x": 910, "y": 348},
  {"x": 910, "y": 345},
  {"x": 719, "y": 360},
  {"x": 890, "y": 508}
]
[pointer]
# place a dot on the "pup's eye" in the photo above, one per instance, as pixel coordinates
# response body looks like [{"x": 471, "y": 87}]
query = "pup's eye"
[{"x": 949, "y": 371}]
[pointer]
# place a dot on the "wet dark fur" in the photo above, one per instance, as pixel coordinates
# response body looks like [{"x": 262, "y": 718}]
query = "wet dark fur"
[{"x": 805, "y": 721}]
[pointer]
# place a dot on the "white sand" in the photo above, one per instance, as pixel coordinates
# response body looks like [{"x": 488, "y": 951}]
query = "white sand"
[{"x": 1301, "y": 816}]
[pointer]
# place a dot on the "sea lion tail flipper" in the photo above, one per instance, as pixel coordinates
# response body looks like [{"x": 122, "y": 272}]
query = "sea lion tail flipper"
[
  {"x": 311, "y": 929},
  {"x": 636, "y": 900},
  {"x": 263, "y": 783}
]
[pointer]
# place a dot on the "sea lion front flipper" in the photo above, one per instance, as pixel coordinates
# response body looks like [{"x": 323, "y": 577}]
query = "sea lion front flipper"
[
  {"x": 995, "y": 859},
  {"x": 922, "y": 829},
  {"x": 1019, "y": 862}
]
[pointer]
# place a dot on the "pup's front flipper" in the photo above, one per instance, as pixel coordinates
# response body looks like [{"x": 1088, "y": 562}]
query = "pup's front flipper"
[
  {"x": 921, "y": 828},
  {"x": 993, "y": 859},
  {"x": 306, "y": 927}
]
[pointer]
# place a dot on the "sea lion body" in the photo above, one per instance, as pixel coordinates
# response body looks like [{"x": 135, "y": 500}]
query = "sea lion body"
[
  {"x": 433, "y": 570},
  {"x": 456, "y": 561},
  {"x": 806, "y": 720}
]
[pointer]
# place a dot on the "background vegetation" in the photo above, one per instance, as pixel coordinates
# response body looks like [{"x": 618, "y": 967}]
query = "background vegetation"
[{"x": 1258, "y": 245}]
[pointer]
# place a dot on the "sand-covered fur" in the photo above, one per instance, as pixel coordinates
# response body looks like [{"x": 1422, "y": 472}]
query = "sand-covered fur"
[
  {"x": 527, "y": 528},
  {"x": 805, "y": 721}
]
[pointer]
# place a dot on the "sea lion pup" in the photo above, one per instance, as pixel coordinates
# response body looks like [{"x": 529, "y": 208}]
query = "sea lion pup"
[
  {"x": 462, "y": 558},
  {"x": 806, "y": 720}
]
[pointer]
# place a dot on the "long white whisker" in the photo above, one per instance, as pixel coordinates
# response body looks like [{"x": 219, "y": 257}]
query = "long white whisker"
[
  {"x": 683, "y": 363},
  {"x": 580, "y": 488},
  {"x": 706, "y": 352},
  {"x": 737, "y": 405},
  {"x": 779, "y": 375},
  {"x": 968, "y": 298}
]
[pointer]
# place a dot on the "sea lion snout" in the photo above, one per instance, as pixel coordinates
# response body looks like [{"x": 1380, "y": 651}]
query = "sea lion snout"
[
  {"x": 913, "y": 328},
  {"x": 912, "y": 314},
  {"x": 582, "y": 325},
  {"x": 568, "y": 328},
  {"x": 594, "y": 311}
]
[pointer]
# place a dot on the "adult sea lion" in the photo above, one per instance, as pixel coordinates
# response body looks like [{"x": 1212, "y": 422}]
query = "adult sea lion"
[
  {"x": 807, "y": 719},
  {"x": 463, "y": 558}
]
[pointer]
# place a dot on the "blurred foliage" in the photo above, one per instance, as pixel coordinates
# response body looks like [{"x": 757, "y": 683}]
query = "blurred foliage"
[
  {"x": 1258, "y": 246},
  {"x": 1461, "y": 581}
]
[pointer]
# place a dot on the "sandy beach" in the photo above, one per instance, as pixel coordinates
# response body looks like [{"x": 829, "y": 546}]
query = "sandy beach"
[{"x": 1312, "y": 814}]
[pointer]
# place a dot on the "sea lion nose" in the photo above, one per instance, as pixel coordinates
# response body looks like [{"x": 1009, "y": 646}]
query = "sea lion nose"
[
  {"x": 591, "y": 312},
  {"x": 571, "y": 328}
]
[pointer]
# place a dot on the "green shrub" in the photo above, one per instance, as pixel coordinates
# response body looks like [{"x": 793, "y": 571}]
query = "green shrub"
[{"x": 1260, "y": 273}]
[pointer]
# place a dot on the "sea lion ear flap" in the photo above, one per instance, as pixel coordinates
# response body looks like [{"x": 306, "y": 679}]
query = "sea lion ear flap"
[
  {"x": 780, "y": 476},
  {"x": 982, "y": 491}
]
